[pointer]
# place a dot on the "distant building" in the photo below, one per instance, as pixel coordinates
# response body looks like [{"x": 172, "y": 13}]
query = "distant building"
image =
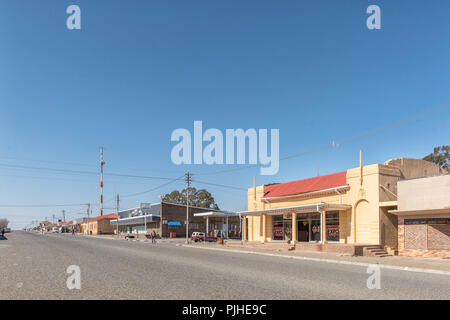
[
  {"x": 99, "y": 225},
  {"x": 46, "y": 224},
  {"x": 424, "y": 217},
  {"x": 77, "y": 224}
]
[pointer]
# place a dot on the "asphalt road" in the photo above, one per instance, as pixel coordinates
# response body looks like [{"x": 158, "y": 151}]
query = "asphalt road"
[{"x": 33, "y": 266}]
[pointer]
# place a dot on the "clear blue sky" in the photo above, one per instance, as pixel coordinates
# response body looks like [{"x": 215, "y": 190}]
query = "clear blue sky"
[{"x": 140, "y": 69}]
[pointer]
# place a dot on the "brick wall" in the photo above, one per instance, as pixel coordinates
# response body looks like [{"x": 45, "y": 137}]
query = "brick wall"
[
  {"x": 424, "y": 240},
  {"x": 439, "y": 236},
  {"x": 104, "y": 226}
]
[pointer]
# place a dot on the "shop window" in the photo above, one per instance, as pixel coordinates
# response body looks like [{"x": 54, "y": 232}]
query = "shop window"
[
  {"x": 277, "y": 228},
  {"x": 332, "y": 223}
]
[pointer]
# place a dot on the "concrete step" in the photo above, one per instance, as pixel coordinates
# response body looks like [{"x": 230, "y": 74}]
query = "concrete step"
[{"x": 375, "y": 251}]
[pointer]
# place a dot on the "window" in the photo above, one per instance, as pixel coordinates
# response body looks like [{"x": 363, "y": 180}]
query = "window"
[
  {"x": 332, "y": 223},
  {"x": 277, "y": 228}
]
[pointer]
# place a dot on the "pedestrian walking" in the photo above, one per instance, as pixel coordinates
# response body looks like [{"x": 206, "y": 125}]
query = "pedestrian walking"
[
  {"x": 3, "y": 232},
  {"x": 153, "y": 237},
  {"x": 73, "y": 231}
]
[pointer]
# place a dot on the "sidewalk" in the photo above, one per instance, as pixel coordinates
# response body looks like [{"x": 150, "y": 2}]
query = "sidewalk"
[{"x": 395, "y": 262}]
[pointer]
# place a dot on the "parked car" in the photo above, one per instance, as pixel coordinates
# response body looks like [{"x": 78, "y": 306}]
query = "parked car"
[
  {"x": 200, "y": 237},
  {"x": 55, "y": 229}
]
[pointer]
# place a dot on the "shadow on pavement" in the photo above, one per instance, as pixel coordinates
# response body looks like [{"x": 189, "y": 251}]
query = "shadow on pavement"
[{"x": 3, "y": 238}]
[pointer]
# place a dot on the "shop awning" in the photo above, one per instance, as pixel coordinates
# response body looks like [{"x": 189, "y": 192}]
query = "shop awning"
[
  {"x": 216, "y": 214},
  {"x": 420, "y": 212},
  {"x": 317, "y": 207}
]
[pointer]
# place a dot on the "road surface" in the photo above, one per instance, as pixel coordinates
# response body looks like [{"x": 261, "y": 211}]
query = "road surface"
[{"x": 33, "y": 266}]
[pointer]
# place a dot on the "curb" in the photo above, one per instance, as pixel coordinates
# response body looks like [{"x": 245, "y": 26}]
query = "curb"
[{"x": 362, "y": 264}]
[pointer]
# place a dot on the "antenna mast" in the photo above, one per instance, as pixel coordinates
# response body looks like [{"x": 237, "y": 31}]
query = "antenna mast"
[{"x": 101, "y": 180}]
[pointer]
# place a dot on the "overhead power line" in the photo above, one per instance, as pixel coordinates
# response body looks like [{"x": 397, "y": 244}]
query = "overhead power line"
[
  {"x": 415, "y": 116},
  {"x": 219, "y": 185},
  {"x": 83, "y": 172},
  {"x": 152, "y": 189},
  {"x": 40, "y": 205}
]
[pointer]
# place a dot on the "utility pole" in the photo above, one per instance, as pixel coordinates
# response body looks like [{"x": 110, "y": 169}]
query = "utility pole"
[
  {"x": 188, "y": 181},
  {"x": 117, "y": 211},
  {"x": 53, "y": 219},
  {"x": 88, "y": 209},
  {"x": 64, "y": 215},
  {"x": 101, "y": 180}
]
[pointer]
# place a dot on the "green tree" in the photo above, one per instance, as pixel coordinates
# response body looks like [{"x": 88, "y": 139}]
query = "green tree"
[
  {"x": 197, "y": 198},
  {"x": 440, "y": 156}
]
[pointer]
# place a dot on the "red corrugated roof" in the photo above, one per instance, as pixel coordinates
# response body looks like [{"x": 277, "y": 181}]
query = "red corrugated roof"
[
  {"x": 106, "y": 216},
  {"x": 307, "y": 185}
]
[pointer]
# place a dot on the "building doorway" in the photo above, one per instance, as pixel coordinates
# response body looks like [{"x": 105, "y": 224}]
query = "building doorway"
[
  {"x": 308, "y": 228},
  {"x": 303, "y": 230}
]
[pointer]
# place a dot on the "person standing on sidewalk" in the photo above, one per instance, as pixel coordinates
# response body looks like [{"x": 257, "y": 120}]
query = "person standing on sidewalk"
[
  {"x": 73, "y": 231},
  {"x": 153, "y": 237}
]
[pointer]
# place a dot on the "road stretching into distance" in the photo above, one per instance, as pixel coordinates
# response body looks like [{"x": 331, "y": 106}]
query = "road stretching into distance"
[{"x": 33, "y": 266}]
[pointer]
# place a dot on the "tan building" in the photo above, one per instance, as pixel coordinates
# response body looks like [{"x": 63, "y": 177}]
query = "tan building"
[
  {"x": 99, "y": 225},
  {"x": 424, "y": 217},
  {"x": 343, "y": 212}
]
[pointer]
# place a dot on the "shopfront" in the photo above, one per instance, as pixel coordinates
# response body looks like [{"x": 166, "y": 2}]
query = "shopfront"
[
  {"x": 297, "y": 224},
  {"x": 308, "y": 227}
]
